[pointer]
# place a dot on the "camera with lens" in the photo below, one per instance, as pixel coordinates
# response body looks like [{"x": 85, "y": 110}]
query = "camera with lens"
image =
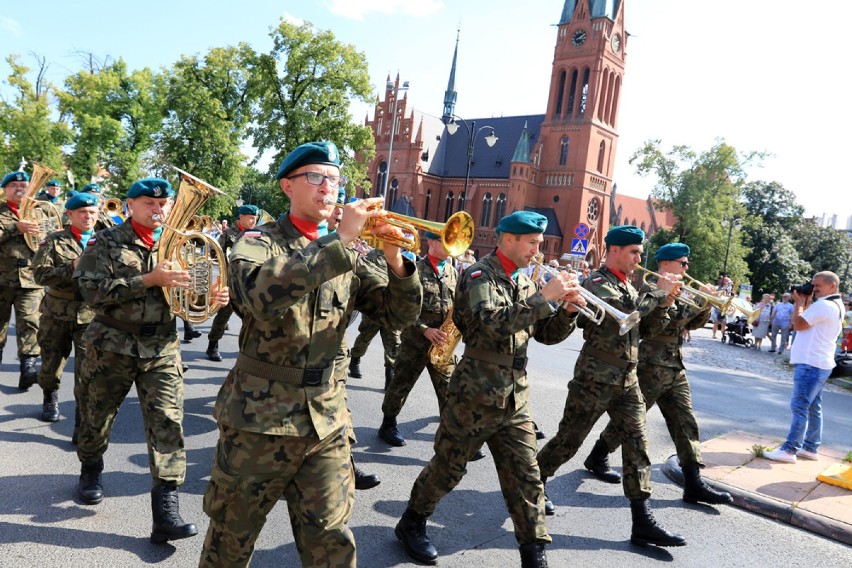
[{"x": 805, "y": 289}]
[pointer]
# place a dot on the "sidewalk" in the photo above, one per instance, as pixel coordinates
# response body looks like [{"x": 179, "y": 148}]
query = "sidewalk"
[{"x": 789, "y": 493}]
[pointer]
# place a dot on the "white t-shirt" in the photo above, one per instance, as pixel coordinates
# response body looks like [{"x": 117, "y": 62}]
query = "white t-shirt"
[{"x": 815, "y": 346}]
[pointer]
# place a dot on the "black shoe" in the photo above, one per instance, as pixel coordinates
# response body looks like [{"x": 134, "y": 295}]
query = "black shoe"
[
  {"x": 189, "y": 332},
  {"x": 355, "y": 368},
  {"x": 168, "y": 524},
  {"x": 478, "y": 455},
  {"x": 533, "y": 555},
  {"x": 646, "y": 530},
  {"x": 29, "y": 375},
  {"x": 50, "y": 406},
  {"x": 89, "y": 489},
  {"x": 364, "y": 481},
  {"x": 598, "y": 464},
  {"x": 388, "y": 376},
  {"x": 213, "y": 351},
  {"x": 549, "y": 507},
  {"x": 184, "y": 367},
  {"x": 539, "y": 435},
  {"x": 390, "y": 433},
  {"x": 411, "y": 530},
  {"x": 696, "y": 491}
]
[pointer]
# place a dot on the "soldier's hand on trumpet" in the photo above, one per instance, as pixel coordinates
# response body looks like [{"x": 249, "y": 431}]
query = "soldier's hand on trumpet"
[
  {"x": 220, "y": 296},
  {"x": 436, "y": 336},
  {"x": 564, "y": 287},
  {"x": 28, "y": 227},
  {"x": 164, "y": 276}
]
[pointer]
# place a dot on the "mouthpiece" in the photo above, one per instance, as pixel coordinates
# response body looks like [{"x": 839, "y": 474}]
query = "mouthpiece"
[
  {"x": 157, "y": 217},
  {"x": 329, "y": 200}
]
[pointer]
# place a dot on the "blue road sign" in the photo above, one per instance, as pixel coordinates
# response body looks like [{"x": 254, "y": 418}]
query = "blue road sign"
[
  {"x": 579, "y": 246},
  {"x": 581, "y": 230}
]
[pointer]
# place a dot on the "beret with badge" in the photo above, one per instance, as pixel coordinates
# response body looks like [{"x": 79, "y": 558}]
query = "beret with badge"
[
  {"x": 14, "y": 176},
  {"x": 522, "y": 223},
  {"x": 53, "y": 183},
  {"x": 624, "y": 235},
  {"x": 91, "y": 188},
  {"x": 671, "y": 251},
  {"x": 309, "y": 153},
  {"x": 150, "y": 187},
  {"x": 247, "y": 210},
  {"x": 79, "y": 200}
]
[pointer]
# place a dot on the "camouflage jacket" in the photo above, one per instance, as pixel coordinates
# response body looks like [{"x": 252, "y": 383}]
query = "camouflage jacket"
[
  {"x": 53, "y": 266},
  {"x": 59, "y": 203},
  {"x": 662, "y": 332},
  {"x": 296, "y": 297},
  {"x": 497, "y": 316},
  {"x": 608, "y": 357},
  {"x": 110, "y": 278},
  {"x": 16, "y": 258},
  {"x": 228, "y": 238}
]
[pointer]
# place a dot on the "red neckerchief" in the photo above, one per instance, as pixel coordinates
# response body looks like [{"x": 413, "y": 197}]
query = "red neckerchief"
[
  {"x": 434, "y": 262},
  {"x": 509, "y": 266},
  {"x": 146, "y": 234},
  {"x": 240, "y": 227},
  {"x": 309, "y": 229},
  {"x": 78, "y": 234},
  {"x": 620, "y": 275},
  {"x": 13, "y": 207}
]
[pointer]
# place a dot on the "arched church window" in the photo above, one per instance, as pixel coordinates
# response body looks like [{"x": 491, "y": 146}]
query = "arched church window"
[
  {"x": 500, "y": 208},
  {"x": 601, "y": 153},
  {"x": 448, "y": 206},
  {"x": 593, "y": 211},
  {"x": 486, "y": 211},
  {"x": 560, "y": 94},
  {"x": 428, "y": 203},
  {"x": 462, "y": 200},
  {"x": 391, "y": 198},
  {"x": 563, "y": 151},
  {"x": 381, "y": 176}
]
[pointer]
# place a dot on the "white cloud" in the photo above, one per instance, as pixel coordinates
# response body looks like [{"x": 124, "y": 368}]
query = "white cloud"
[
  {"x": 357, "y": 9},
  {"x": 8, "y": 25},
  {"x": 290, "y": 18}
]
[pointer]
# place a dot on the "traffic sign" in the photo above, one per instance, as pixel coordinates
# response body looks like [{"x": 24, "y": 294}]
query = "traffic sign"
[
  {"x": 579, "y": 246},
  {"x": 581, "y": 230}
]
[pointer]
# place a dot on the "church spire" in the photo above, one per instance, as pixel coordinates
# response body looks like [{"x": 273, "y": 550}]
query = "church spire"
[
  {"x": 450, "y": 94},
  {"x": 522, "y": 150}
]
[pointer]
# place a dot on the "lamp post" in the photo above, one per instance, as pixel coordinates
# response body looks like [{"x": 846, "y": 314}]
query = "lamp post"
[
  {"x": 396, "y": 90},
  {"x": 472, "y": 132},
  {"x": 729, "y": 222}
]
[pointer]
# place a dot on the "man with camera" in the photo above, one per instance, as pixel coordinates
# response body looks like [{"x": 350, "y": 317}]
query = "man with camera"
[{"x": 817, "y": 318}]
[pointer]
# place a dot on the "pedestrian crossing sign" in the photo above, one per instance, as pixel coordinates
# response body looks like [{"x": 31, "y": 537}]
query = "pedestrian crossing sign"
[{"x": 579, "y": 246}]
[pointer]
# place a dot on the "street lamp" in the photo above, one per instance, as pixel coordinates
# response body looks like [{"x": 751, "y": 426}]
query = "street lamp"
[
  {"x": 239, "y": 201},
  {"x": 472, "y": 132},
  {"x": 396, "y": 90},
  {"x": 729, "y": 223}
]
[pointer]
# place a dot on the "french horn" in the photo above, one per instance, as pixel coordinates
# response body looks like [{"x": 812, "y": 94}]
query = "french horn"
[{"x": 43, "y": 213}]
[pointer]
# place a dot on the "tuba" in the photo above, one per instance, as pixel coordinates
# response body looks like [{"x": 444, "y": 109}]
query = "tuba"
[
  {"x": 443, "y": 355},
  {"x": 196, "y": 252},
  {"x": 43, "y": 213}
]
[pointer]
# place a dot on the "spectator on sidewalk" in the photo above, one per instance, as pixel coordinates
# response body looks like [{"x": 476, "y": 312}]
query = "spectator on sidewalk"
[
  {"x": 818, "y": 322},
  {"x": 764, "y": 320},
  {"x": 781, "y": 324}
]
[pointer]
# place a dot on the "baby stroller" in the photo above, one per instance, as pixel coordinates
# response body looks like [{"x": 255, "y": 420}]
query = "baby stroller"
[{"x": 737, "y": 332}]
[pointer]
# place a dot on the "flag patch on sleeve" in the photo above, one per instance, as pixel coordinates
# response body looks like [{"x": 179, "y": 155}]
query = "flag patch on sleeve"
[
  {"x": 476, "y": 274},
  {"x": 251, "y": 234}
]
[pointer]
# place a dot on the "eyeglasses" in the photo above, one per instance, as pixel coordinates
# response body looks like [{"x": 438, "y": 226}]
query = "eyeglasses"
[
  {"x": 316, "y": 178},
  {"x": 684, "y": 263}
]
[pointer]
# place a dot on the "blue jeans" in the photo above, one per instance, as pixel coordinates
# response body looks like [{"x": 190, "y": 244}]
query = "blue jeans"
[{"x": 806, "y": 404}]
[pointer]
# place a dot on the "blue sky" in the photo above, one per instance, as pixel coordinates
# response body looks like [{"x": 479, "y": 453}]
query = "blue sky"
[{"x": 764, "y": 75}]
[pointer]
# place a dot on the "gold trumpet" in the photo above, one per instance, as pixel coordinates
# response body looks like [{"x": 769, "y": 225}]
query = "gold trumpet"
[
  {"x": 456, "y": 234},
  {"x": 114, "y": 207},
  {"x": 693, "y": 286},
  {"x": 595, "y": 308},
  {"x": 679, "y": 292}
]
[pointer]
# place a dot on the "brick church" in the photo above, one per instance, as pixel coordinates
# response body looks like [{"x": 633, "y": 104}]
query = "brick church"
[{"x": 559, "y": 163}]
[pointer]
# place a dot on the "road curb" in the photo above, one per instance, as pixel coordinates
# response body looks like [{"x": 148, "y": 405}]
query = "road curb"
[{"x": 778, "y": 510}]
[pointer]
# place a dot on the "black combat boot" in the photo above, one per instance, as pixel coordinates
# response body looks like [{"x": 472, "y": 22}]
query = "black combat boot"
[
  {"x": 478, "y": 455},
  {"x": 89, "y": 489},
  {"x": 533, "y": 555},
  {"x": 598, "y": 464},
  {"x": 189, "y": 332},
  {"x": 549, "y": 507},
  {"x": 29, "y": 375},
  {"x": 50, "y": 406},
  {"x": 539, "y": 435},
  {"x": 355, "y": 368},
  {"x": 365, "y": 481},
  {"x": 388, "y": 376},
  {"x": 411, "y": 530},
  {"x": 646, "y": 530},
  {"x": 168, "y": 524},
  {"x": 696, "y": 491},
  {"x": 390, "y": 433},
  {"x": 213, "y": 351}
]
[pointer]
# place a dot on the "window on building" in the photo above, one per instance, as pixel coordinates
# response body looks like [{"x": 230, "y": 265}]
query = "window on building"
[
  {"x": 448, "y": 206},
  {"x": 462, "y": 200},
  {"x": 563, "y": 151},
  {"x": 381, "y": 177},
  {"x": 571, "y": 94},
  {"x": 486, "y": 211},
  {"x": 500, "y": 208},
  {"x": 601, "y": 154},
  {"x": 584, "y": 94},
  {"x": 427, "y": 204},
  {"x": 392, "y": 192},
  {"x": 560, "y": 94}
]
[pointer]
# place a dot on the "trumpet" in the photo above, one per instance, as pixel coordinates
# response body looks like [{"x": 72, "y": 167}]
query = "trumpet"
[
  {"x": 679, "y": 292},
  {"x": 595, "y": 308},
  {"x": 694, "y": 288},
  {"x": 456, "y": 234},
  {"x": 114, "y": 207}
]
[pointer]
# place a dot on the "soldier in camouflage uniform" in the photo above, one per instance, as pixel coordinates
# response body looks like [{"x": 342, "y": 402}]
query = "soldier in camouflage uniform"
[
  {"x": 662, "y": 379},
  {"x": 282, "y": 414},
  {"x": 64, "y": 317},
  {"x": 105, "y": 221},
  {"x": 18, "y": 289},
  {"x": 52, "y": 194},
  {"x": 605, "y": 381},
  {"x": 367, "y": 330},
  {"x": 497, "y": 309},
  {"x": 133, "y": 340},
  {"x": 246, "y": 221}
]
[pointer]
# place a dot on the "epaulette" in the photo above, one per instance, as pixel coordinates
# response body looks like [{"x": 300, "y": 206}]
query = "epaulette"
[{"x": 475, "y": 274}]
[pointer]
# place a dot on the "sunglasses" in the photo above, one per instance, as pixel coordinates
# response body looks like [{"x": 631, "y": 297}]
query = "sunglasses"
[{"x": 684, "y": 263}]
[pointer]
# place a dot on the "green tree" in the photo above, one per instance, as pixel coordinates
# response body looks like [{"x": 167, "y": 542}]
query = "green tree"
[
  {"x": 115, "y": 114},
  {"x": 824, "y": 248},
  {"x": 27, "y": 121},
  {"x": 306, "y": 82},
  {"x": 262, "y": 189}
]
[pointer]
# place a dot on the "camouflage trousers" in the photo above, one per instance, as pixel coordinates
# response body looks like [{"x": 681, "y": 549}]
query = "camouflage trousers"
[
  {"x": 252, "y": 471},
  {"x": 668, "y": 388},
  {"x": 367, "y": 330},
  {"x": 412, "y": 359},
  {"x": 220, "y": 322},
  {"x": 55, "y": 338},
  {"x": 586, "y": 403},
  {"x": 105, "y": 380},
  {"x": 509, "y": 433},
  {"x": 27, "y": 304}
]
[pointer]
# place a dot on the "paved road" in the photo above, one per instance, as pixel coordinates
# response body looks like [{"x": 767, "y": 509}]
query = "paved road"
[{"x": 43, "y": 525}]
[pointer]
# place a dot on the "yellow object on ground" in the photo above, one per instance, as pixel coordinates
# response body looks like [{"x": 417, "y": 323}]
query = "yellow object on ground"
[{"x": 839, "y": 474}]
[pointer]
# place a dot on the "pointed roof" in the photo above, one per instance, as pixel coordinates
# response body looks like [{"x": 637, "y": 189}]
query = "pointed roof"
[
  {"x": 568, "y": 11},
  {"x": 522, "y": 150},
  {"x": 451, "y": 84},
  {"x": 450, "y": 94},
  {"x": 597, "y": 9}
]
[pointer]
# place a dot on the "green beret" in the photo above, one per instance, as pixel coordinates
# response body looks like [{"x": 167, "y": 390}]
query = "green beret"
[
  {"x": 522, "y": 223},
  {"x": 309, "y": 153},
  {"x": 150, "y": 187},
  {"x": 91, "y": 188},
  {"x": 341, "y": 195},
  {"x": 671, "y": 251},
  {"x": 433, "y": 236},
  {"x": 14, "y": 176},
  {"x": 81, "y": 200},
  {"x": 625, "y": 235},
  {"x": 247, "y": 210},
  {"x": 53, "y": 183}
]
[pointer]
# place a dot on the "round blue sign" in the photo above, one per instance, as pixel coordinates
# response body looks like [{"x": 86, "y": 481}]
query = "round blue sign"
[{"x": 581, "y": 230}]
